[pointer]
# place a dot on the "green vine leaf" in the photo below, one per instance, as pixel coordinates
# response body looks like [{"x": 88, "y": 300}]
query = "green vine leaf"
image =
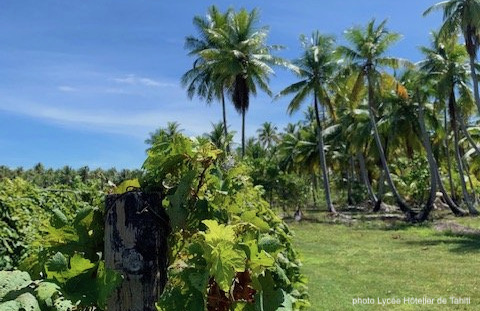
[
  {"x": 224, "y": 262},
  {"x": 217, "y": 233}
]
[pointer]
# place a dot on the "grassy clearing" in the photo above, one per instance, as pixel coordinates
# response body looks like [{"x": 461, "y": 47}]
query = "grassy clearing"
[{"x": 388, "y": 260}]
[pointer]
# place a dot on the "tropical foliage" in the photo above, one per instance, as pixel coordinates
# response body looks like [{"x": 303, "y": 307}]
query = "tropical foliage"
[
  {"x": 56, "y": 234},
  {"x": 376, "y": 131},
  {"x": 228, "y": 249},
  {"x": 19, "y": 292}
]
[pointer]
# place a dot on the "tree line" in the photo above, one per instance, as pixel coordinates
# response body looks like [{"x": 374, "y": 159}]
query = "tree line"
[
  {"x": 397, "y": 130},
  {"x": 44, "y": 177}
]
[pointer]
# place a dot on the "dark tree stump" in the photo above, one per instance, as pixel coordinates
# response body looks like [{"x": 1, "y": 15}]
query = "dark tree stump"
[{"x": 136, "y": 230}]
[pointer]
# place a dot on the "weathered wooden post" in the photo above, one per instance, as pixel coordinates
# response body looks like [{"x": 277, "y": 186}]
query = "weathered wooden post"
[{"x": 136, "y": 230}]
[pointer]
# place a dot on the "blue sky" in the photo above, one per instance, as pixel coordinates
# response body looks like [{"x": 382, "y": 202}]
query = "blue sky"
[{"x": 83, "y": 82}]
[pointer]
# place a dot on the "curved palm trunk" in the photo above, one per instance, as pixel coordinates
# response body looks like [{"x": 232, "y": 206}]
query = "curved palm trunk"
[
  {"x": 473, "y": 74},
  {"x": 225, "y": 131},
  {"x": 470, "y": 182},
  {"x": 381, "y": 182},
  {"x": 400, "y": 201},
  {"x": 463, "y": 127},
  {"x": 423, "y": 215},
  {"x": 366, "y": 180},
  {"x": 466, "y": 196},
  {"x": 451, "y": 204},
  {"x": 323, "y": 164},
  {"x": 380, "y": 193},
  {"x": 449, "y": 200}
]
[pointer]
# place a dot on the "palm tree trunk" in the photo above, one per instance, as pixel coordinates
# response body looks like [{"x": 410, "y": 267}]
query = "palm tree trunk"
[
  {"x": 448, "y": 200},
  {"x": 349, "y": 188},
  {"x": 449, "y": 161},
  {"x": 400, "y": 201},
  {"x": 457, "y": 211},
  {"x": 352, "y": 168},
  {"x": 451, "y": 204},
  {"x": 380, "y": 193},
  {"x": 243, "y": 133},
  {"x": 225, "y": 131},
  {"x": 470, "y": 182},
  {"x": 323, "y": 164},
  {"x": 466, "y": 196},
  {"x": 366, "y": 180},
  {"x": 314, "y": 187},
  {"x": 432, "y": 168},
  {"x": 381, "y": 182},
  {"x": 473, "y": 73},
  {"x": 463, "y": 127}
]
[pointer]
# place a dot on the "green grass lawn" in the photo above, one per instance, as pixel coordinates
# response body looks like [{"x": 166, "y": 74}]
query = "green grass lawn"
[{"x": 378, "y": 260}]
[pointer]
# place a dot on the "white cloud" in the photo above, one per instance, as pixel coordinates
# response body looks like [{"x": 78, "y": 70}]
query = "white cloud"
[
  {"x": 125, "y": 122},
  {"x": 66, "y": 88},
  {"x": 112, "y": 90},
  {"x": 132, "y": 79}
]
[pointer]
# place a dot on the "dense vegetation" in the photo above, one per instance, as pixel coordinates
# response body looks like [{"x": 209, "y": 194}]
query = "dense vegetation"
[
  {"x": 56, "y": 235},
  {"x": 384, "y": 128},
  {"x": 68, "y": 176},
  {"x": 377, "y": 130},
  {"x": 228, "y": 249}
]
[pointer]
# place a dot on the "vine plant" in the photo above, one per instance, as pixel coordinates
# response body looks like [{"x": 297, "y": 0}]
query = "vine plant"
[{"x": 228, "y": 249}]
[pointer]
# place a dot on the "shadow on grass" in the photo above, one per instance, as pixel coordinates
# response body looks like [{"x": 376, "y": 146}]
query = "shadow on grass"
[
  {"x": 460, "y": 242},
  {"x": 361, "y": 221}
]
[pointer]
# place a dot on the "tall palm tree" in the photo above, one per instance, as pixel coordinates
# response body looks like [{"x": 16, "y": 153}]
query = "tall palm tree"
[
  {"x": 202, "y": 79},
  {"x": 445, "y": 62},
  {"x": 241, "y": 57},
  {"x": 463, "y": 15},
  {"x": 366, "y": 53},
  {"x": 421, "y": 95},
  {"x": 317, "y": 67}
]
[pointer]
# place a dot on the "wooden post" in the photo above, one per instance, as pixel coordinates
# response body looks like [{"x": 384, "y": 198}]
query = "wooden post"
[{"x": 136, "y": 230}]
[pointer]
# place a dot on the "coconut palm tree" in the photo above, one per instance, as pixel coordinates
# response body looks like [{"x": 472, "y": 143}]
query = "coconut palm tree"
[
  {"x": 464, "y": 16},
  {"x": 317, "y": 67},
  {"x": 288, "y": 149},
  {"x": 217, "y": 137},
  {"x": 366, "y": 53},
  {"x": 446, "y": 63},
  {"x": 253, "y": 149},
  {"x": 202, "y": 79},
  {"x": 242, "y": 57},
  {"x": 267, "y": 135},
  {"x": 355, "y": 129},
  {"x": 420, "y": 98},
  {"x": 172, "y": 129}
]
